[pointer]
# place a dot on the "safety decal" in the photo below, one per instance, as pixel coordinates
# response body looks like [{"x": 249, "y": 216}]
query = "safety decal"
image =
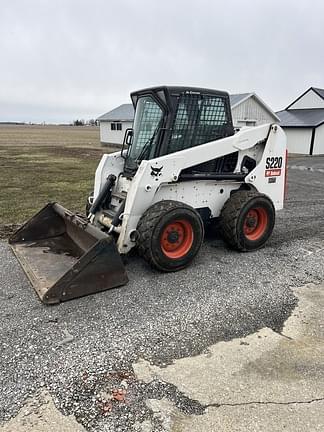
[{"x": 272, "y": 173}]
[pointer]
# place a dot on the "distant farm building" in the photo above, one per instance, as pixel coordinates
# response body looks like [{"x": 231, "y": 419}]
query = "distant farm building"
[
  {"x": 303, "y": 122},
  {"x": 248, "y": 109},
  {"x": 114, "y": 123}
]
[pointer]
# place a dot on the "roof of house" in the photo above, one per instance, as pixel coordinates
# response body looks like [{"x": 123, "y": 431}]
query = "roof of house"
[
  {"x": 318, "y": 91},
  {"x": 301, "y": 117},
  {"x": 125, "y": 112},
  {"x": 236, "y": 99}
]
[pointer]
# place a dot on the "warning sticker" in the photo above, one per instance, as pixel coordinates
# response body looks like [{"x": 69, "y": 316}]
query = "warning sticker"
[
  {"x": 272, "y": 172},
  {"x": 272, "y": 180}
]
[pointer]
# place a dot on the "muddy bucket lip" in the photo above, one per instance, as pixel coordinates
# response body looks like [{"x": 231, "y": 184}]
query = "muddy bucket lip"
[
  {"x": 60, "y": 277},
  {"x": 76, "y": 219}
]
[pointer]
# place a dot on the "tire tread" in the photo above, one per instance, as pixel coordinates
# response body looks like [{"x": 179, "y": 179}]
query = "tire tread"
[
  {"x": 230, "y": 214},
  {"x": 147, "y": 224}
]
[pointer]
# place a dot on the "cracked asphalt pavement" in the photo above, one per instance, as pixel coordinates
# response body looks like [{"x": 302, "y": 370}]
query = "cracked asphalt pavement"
[
  {"x": 80, "y": 351},
  {"x": 263, "y": 382}
]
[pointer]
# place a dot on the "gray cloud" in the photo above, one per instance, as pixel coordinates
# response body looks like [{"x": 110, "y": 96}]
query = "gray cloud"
[{"x": 65, "y": 59}]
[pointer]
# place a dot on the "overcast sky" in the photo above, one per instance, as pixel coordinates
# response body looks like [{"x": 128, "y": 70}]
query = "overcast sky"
[{"x": 67, "y": 59}]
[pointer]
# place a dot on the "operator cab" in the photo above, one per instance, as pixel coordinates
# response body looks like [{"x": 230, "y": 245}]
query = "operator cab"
[{"x": 170, "y": 119}]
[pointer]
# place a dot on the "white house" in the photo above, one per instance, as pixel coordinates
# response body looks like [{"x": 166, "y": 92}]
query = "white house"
[
  {"x": 303, "y": 122},
  {"x": 248, "y": 109},
  {"x": 113, "y": 124}
]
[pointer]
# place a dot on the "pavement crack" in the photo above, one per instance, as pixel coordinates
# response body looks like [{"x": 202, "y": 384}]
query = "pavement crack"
[
  {"x": 218, "y": 405},
  {"x": 159, "y": 389}
]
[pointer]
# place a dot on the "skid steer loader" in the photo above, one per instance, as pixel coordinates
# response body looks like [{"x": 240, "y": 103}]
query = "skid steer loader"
[{"x": 180, "y": 167}]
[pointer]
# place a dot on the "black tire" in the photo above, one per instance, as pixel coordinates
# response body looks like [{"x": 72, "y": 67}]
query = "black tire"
[
  {"x": 247, "y": 220},
  {"x": 182, "y": 230},
  {"x": 88, "y": 204}
]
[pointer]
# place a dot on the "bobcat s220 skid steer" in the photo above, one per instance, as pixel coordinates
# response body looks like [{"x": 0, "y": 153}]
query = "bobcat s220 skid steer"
[{"x": 181, "y": 166}]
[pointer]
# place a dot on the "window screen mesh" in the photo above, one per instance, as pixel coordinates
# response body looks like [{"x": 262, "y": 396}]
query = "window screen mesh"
[
  {"x": 199, "y": 119},
  {"x": 148, "y": 118}
]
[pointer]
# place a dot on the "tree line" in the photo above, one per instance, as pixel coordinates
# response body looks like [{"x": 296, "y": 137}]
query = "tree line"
[{"x": 82, "y": 122}]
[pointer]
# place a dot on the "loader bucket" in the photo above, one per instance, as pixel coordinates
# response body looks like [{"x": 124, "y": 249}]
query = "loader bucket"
[{"x": 66, "y": 257}]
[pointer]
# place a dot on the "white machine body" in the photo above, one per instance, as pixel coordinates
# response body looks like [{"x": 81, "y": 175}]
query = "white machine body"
[{"x": 160, "y": 178}]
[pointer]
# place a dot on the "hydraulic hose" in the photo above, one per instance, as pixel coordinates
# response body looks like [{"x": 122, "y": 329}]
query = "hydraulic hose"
[{"x": 105, "y": 191}]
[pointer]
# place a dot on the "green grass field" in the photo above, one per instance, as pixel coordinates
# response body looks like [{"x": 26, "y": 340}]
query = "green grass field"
[{"x": 42, "y": 164}]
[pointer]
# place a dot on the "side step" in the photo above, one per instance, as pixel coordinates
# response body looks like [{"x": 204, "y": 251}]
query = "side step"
[{"x": 66, "y": 257}]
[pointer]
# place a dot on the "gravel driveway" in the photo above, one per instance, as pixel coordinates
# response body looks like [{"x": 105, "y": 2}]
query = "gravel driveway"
[{"x": 83, "y": 349}]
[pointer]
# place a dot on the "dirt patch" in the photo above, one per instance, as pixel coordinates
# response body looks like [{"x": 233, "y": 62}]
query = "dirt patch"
[{"x": 7, "y": 230}]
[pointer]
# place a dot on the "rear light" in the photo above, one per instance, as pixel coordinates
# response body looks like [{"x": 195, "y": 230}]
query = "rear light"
[{"x": 286, "y": 176}]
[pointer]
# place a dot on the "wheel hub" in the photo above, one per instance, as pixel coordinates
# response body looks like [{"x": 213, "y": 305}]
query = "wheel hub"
[
  {"x": 251, "y": 220},
  {"x": 173, "y": 237},
  {"x": 177, "y": 238},
  {"x": 255, "y": 223}
]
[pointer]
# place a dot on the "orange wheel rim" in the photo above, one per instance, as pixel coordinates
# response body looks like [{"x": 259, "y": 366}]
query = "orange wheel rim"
[
  {"x": 255, "y": 223},
  {"x": 177, "y": 238}
]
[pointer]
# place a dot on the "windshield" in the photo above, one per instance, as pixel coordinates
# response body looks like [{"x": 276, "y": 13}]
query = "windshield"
[{"x": 148, "y": 119}]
